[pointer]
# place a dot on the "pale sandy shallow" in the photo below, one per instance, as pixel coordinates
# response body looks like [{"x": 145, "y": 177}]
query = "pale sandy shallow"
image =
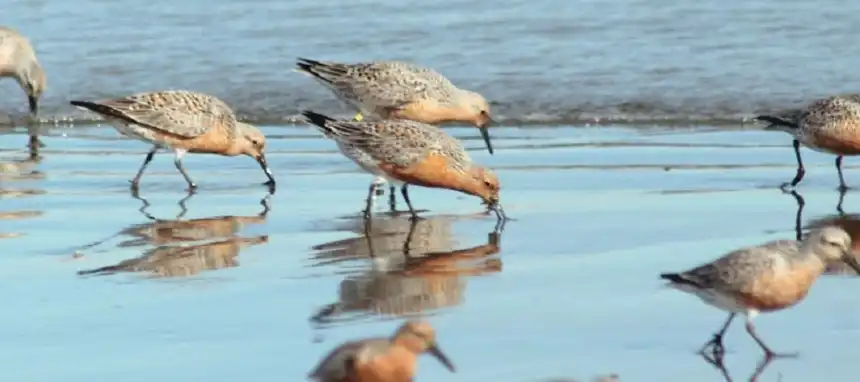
[{"x": 573, "y": 292}]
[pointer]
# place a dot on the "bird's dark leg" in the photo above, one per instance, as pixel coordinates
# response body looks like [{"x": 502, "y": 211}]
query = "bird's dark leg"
[
  {"x": 800, "y": 170},
  {"x": 178, "y": 162},
  {"x": 842, "y": 185},
  {"x": 392, "y": 197},
  {"x": 717, "y": 341},
  {"x": 136, "y": 181},
  {"x": 368, "y": 206},
  {"x": 768, "y": 353},
  {"x": 408, "y": 202}
]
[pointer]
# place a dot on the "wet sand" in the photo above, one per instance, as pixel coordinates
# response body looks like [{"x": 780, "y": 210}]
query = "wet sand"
[{"x": 569, "y": 289}]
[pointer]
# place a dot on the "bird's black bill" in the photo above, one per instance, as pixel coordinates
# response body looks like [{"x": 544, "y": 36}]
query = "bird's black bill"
[
  {"x": 265, "y": 166},
  {"x": 436, "y": 352},
  {"x": 34, "y": 106},
  {"x": 849, "y": 259},
  {"x": 486, "y": 135},
  {"x": 500, "y": 212}
]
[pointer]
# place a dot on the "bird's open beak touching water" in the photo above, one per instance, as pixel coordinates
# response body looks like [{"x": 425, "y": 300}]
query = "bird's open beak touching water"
[
  {"x": 265, "y": 166},
  {"x": 436, "y": 352}
]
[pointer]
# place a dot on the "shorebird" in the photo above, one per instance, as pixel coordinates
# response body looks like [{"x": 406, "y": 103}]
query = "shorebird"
[
  {"x": 830, "y": 125},
  {"x": 409, "y": 152},
  {"x": 391, "y": 359},
  {"x": 18, "y": 60},
  {"x": 185, "y": 121},
  {"x": 764, "y": 278},
  {"x": 398, "y": 90}
]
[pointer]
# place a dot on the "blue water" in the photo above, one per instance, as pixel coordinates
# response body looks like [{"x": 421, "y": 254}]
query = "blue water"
[
  {"x": 539, "y": 61},
  {"x": 570, "y": 291}
]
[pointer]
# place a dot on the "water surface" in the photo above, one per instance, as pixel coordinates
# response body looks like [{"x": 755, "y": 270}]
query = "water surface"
[
  {"x": 587, "y": 61},
  {"x": 570, "y": 289}
]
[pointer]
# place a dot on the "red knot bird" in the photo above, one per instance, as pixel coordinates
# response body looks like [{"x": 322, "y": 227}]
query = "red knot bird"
[
  {"x": 408, "y": 152},
  {"x": 399, "y": 90},
  {"x": 18, "y": 60},
  {"x": 185, "y": 121},
  {"x": 764, "y": 278},
  {"x": 391, "y": 359},
  {"x": 830, "y": 125}
]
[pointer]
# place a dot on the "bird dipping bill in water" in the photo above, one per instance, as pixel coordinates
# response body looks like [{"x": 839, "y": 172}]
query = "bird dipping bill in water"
[
  {"x": 409, "y": 152},
  {"x": 184, "y": 121},
  {"x": 764, "y": 278},
  {"x": 830, "y": 125},
  {"x": 399, "y": 90},
  {"x": 391, "y": 359},
  {"x": 18, "y": 60}
]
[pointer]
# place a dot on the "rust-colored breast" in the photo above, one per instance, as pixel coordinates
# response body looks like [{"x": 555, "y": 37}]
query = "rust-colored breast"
[
  {"x": 432, "y": 171},
  {"x": 775, "y": 292},
  {"x": 841, "y": 141},
  {"x": 397, "y": 365},
  {"x": 427, "y": 112}
]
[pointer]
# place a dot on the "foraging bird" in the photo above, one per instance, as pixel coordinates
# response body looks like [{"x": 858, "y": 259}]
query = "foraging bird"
[
  {"x": 830, "y": 125},
  {"x": 184, "y": 121},
  {"x": 391, "y": 359},
  {"x": 409, "y": 152},
  {"x": 399, "y": 90},
  {"x": 764, "y": 278},
  {"x": 18, "y": 60}
]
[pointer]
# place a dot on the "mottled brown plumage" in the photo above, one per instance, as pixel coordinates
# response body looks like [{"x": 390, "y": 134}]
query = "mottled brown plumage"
[
  {"x": 764, "y": 278},
  {"x": 830, "y": 125},
  {"x": 184, "y": 121},
  {"x": 411, "y": 152}
]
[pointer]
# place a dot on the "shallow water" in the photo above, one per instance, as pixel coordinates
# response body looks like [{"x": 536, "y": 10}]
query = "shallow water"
[
  {"x": 592, "y": 61},
  {"x": 568, "y": 289}
]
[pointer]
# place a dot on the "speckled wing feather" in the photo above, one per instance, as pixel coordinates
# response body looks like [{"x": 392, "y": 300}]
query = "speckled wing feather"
[
  {"x": 183, "y": 113},
  {"x": 831, "y": 111},
  {"x": 739, "y": 266},
  {"x": 399, "y": 142},
  {"x": 381, "y": 84}
]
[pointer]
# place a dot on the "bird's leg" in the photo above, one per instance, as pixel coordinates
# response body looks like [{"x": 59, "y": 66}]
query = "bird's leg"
[
  {"x": 178, "y": 162},
  {"x": 408, "y": 202},
  {"x": 358, "y": 117},
  {"x": 717, "y": 341},
  {"x": 842, "y": 185},
  {"x": 839, "y": 204},
  {"x": 136, "y": 181},
  {"x": 369, "y": 202},
  {"x": 800, "y": 170},
  {"x": 768, "y": 353},
  {"x": 392, "y": 197}
]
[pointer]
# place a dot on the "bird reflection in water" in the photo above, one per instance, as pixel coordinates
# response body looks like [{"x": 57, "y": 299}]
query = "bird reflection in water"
[
  {"x": 12, "y": 171},
  {"x": 184, "y": 247},
  {"x": 718, "y": 362},
  {"x": 413, "y": 269},
  {"x": 849, "y": 222}
]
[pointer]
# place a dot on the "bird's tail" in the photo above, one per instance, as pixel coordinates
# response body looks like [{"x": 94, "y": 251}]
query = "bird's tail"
[
  {"x": 326, "y": 72},
  {"x": 787, "y": 121},
  {"x": 344, "y": 131},
  {"x": 98, "y": 108},
  {"x": 677, "y": 278}
]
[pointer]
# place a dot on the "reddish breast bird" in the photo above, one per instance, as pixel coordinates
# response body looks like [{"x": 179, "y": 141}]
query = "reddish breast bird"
[
  {"x": 391, "y": 359},
  {"x": 764, "y": 278},
  {"x": 408, "y": 152},
  {"x": 185, "y": 121},
  {"x": 830, "y": 125}
]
